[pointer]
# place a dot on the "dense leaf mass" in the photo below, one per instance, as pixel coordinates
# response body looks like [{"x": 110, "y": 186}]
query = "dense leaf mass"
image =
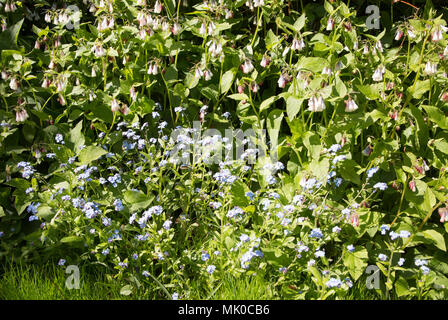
[{"x": 175, "y": 144}]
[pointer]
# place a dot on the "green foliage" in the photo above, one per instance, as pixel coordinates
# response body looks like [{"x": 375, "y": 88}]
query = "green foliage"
[{"x": 114, "y": 151}]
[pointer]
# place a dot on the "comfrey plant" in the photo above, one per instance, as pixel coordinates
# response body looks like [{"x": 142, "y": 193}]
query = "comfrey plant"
[{"x": 180, "y": 143}]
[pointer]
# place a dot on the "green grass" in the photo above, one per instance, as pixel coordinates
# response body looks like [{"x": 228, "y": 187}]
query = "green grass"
[
  {"x": 243, "y": 288},
  {"x": 47, "y": 282},
  {"x": 18, "y": 282}
]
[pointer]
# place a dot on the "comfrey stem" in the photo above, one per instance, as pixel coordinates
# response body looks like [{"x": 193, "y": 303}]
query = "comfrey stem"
[
  {"x": 104, "y": 74},
  {"x": 169, "y": 98},
  {"x": 111, "y": 126},
  {"x": 388, "y": 274},
  {"x": 256, "y": 29},
  {"x": 420, "y": 62},
  {"x": 422, "y": 224},
  {"x": 401, "y": 202}
]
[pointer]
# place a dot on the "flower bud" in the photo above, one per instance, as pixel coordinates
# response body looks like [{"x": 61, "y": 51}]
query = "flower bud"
[
  {"x": 157, "y": 7},
  {"x": 14, "y": 84},
  {"x": 412, "y": 185},
  {"x": 330, "y": 24},
  {"x": 398, "y": 35},
  {"x": 115, "y": 106},
  {"x": 21, "y": 115},
  {"x": 350, "y": 105}
]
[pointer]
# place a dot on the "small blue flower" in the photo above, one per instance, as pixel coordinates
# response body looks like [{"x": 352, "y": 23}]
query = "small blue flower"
[
  {"x": 384, "y": 228},
  {"x": 382, "y": 257},
  {"x": 401, "y": 261},
  {"x": 319, "y": 254},
  {"x": 205, "y": 256},
  {"x": 425, "y": 269},
  {"x": 333, "y": 282},
  {"x": 235, "y": 212},
  {"x": 244, "y": 238},
  {"x": 394, "y": 235},
  {"x": 167, "y": 224},
  {"x": 335, "y": 148},
  {"x": 420, "y": 262},
  {"x": 59, "y": 138},
  {"x": 348, "y": 282},
  {"x": 211, "y": 269},
  {"x": 351, "y": 248},
  {"x": 380, "y": 185},
  {"x": 32, "y": 208},
  {"x": 118, "y": 205},
  {"x": 61, "y": 262},
  {"x": 107, "y": 221},
  {"x": 339, "y": 158},
  {"x": 316, "y": 233},
  {"x": 215, "y": 205},
  {"x": 371, "y": 172},
  {"x": 251, "y": 195},
  {"x": 405, "y": 234}
]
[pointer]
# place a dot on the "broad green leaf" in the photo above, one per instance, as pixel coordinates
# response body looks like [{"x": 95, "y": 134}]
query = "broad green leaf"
[
  {"x": 349, "y": 170},
  {"x": 436, "y": 237},
  {"x": 171, "y": 74},
  {"x": 90, "y": 153},
  {"x": 356, "y": 262},
  {"x": 313, "y": 144},
  {"x": 76, "y": 137},
  {"x": 340, "y": 87},
  {"x": 137, "y": 200},
  {"x": 300, "y": 23},
  {"x": 227, "y": 80},
  {"x": 238, "y": 194},
  {"x": 2, "y": 212},
  {"x": 238, "y": 96},
  {"x": 8, "y": 38},
  {"x": 271, "y": 40},
  {"x": 371, "y": 92},
  {"x": 191, "y": 80},
  {"x": 72, "y": 240},
  {"x": 293, "y": 105},
  {"x": 320, "y": 168},
  {"x": 436, "y": 115},
  {"x": 266, "y": 103},
  {"x": 401, "y": 287},
  {"x": 273, "y": 124},
  {"x": 314, "y": 64},
  {"x": 45, "y": 212},
  {"x": 421, "y": 87},
  {"x": 19, "y": 183},
  {"x": 29, "y": 132},
  {"x": 441, "y": 145}
]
